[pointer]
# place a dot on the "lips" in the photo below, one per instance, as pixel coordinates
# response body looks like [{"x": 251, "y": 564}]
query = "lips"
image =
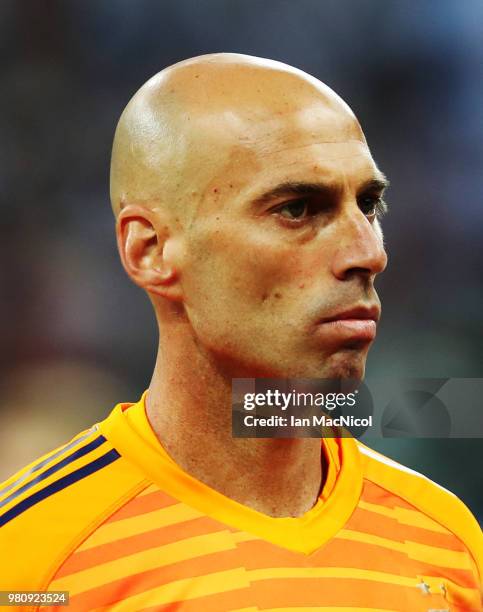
[
  {"x": 357, "y": 323},
  {"x": 362, "y": 313}
]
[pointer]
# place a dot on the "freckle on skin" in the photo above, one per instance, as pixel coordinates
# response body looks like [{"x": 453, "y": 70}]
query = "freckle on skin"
[
  {"x": 215, "y": 190},
  {"x": 278, "y": 295}
]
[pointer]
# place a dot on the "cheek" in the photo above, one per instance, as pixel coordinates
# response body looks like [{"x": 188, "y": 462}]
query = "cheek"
[
  {"x": 285, "y": 268},
  {"x": 249, "y": 270}
]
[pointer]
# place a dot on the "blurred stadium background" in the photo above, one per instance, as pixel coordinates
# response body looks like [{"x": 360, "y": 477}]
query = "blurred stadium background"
[{"x": 76, "y": 337}]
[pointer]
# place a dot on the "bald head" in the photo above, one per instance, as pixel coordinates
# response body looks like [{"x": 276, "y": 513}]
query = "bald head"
[
  {"x": 191, "y": 120},
  {"x": 247, "y": 206}
]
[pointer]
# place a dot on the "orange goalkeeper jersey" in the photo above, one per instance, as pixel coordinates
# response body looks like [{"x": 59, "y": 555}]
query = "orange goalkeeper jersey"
[{"x": 111, "y": 518}]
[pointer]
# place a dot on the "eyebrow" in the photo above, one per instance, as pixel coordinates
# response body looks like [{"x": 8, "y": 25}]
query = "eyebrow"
[{"x": 301, "y": 188}]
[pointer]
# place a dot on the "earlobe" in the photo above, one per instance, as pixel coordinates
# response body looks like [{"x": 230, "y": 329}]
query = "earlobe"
[{"x": 144, "y": 247}]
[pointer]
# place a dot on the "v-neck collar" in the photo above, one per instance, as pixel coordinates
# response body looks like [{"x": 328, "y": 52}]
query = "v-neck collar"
[{"x": 128, "y": 429}]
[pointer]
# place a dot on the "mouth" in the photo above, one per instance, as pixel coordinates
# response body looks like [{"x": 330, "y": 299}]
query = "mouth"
[{"x": 358, "y": 323}]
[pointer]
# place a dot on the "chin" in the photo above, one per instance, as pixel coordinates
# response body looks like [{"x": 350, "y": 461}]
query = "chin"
[{"x": 346, "y": 364}]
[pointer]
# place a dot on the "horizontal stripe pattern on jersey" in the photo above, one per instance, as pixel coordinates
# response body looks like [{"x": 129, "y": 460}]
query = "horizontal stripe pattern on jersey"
[
  {"x": 111, "y": 518},
  {"x": 156, "y": 553}
]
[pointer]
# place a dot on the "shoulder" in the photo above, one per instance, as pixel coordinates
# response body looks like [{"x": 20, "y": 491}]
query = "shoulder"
[
  {"x": 423, "y": 494},
  {"x": 50, "y": 506}
]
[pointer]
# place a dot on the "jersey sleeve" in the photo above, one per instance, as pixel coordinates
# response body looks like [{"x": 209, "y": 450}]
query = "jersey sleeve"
[
  {"x": 433, "y": 500},
  {"x": 48, "y": 508}
]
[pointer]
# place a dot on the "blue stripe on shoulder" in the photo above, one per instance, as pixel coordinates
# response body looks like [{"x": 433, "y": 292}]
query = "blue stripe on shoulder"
[
  {"x": 38, "y": 466},
  {"x": 55, "y": 468},
  {"x": 60, "y": 484}
]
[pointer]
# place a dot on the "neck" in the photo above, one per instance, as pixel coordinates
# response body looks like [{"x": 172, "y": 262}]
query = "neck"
[{"x": 189, "y": 408}]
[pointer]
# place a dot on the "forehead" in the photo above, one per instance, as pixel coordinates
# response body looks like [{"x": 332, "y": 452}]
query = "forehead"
[
  {"x": 267, "y": 130},
  {"x": 248, "y": 174},
  {"x": 250, "y": 153}
]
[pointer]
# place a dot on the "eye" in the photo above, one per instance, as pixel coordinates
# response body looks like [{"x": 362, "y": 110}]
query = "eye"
[
  {"x": 296, "y": 209},
  {"x": 372, "y": 206}
]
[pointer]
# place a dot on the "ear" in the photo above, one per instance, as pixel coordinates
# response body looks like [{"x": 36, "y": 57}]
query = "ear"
[{"x": 147, "y": 250}]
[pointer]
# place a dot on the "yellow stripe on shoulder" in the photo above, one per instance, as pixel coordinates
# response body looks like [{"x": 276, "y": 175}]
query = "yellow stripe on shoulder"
[
  {"x": 50, "y": 467},
  {"x": 428, "y": 497},
  {"x": 33, "y": 469},
  {"x": 56, "y": 503}
]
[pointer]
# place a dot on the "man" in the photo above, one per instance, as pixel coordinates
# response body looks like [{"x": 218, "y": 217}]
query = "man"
[{"x": 247, "y": 206}]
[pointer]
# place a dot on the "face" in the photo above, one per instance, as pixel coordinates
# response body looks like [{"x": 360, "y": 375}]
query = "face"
[{"x": 281, "y": 256}]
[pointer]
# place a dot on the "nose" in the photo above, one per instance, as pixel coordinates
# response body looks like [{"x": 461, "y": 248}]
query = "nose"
[{"x": 360, "y": 250}]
